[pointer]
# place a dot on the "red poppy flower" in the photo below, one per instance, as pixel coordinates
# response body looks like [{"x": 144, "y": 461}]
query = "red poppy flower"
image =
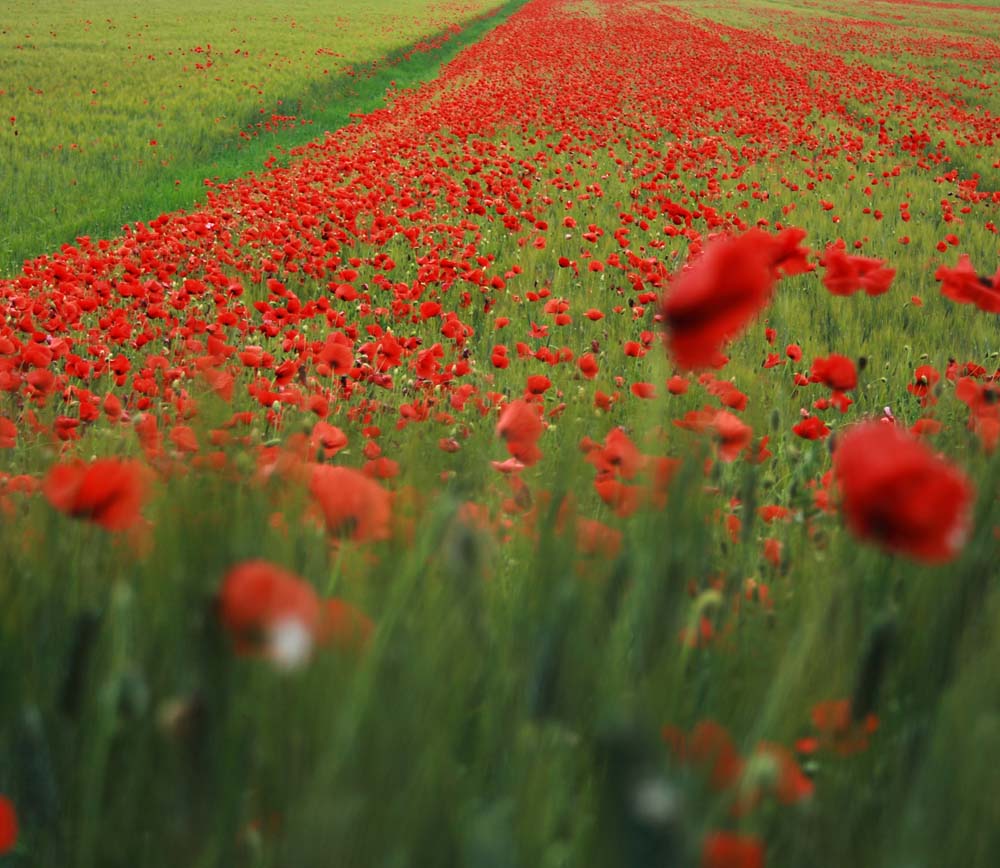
[
  {"x": 964, "y": 285},
  {"x": 845, "y": 274},
  {"x": 734, "y": 434},
  {"x": 270, "y": 610},
  {"x": 787, "y": 255},
  {"x": 836, "y": 371},
  {"x": 729, "y": 850},
  {"x": 8, "y": 825},
  {"x": 925, "y": 377},
  {"x": 623, "y": 499},
  {"x": 711, "y": 302},
  {"x": 108, "y": 491},
  {"x": 8, "y": 434},
  {"x": 728, "y": 394},
  {"x": 588, "y": 365},
  {"x": 511, "y": 465},
  {"x": 328, "y": 438},
  {"x": 811, "y": 428},
  {"x": 617, "y": 456},
  {"x": 898, "y": 493},
  {"x": 537, "y": 384},
  {"x": 772, "y": 551},
  {"x": 983, "y": 401},
  {"x": 677, "y": 385},
  {"x": 926, "y": 427},
  {"x": 352, "y": 504},
  {"x": 184, "y": 438},
  {"x": 520, "y": 425}
]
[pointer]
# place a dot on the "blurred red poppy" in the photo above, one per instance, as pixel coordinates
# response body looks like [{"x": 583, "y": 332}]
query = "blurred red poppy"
[
  {"x": 108, "y": 491},
  {"x": 898, "y": 493},
  {"x": 964, "y": 285},
  {"x": 352, "y": 504},
  {"x": 8, "y": 825},
  {"x": 729, "y": 850},
  {"x": 269, "y": 610},
  {"x": 520, "y": 425},
  {"x": 846, "y": 274},
  {"x": 811, "y": 428},
  {"x": 836, "y": 371},
  {"x": 711, "y": 302}
]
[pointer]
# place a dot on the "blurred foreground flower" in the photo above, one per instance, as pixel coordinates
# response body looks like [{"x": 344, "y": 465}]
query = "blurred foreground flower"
[
  {"x": 8, "y": 825},
  {"x": 108, "y": 491},
  {"x": 966, "y": 286},
  {"x": 712, "y": 301},
  {"x": 352, "y": 505},
  {"x": 272, "y": 612},
  {"x": 847, "y": 274},
  {"x": 898, "y": 493},
  {"x": 520, "y": 425},
  {"x": 729, "y": 850}
]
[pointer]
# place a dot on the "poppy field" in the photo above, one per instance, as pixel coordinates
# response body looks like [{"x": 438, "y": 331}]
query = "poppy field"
[
  {"x": 110, "y": 113},
  {"x": 588, "y": 457}
]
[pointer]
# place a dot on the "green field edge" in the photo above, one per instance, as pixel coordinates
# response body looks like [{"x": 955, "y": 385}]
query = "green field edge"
[{"x": 348, "y": 96}]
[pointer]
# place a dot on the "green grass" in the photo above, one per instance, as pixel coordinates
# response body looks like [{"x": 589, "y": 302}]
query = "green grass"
[{"x": 88, "y": 87}]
